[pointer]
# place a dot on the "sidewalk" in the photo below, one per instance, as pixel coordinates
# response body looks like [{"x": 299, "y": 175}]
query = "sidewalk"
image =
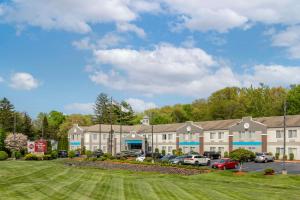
[{"x": 288, "y": 161}]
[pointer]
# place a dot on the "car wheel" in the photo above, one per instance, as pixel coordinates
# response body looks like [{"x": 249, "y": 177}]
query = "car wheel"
[{"x": 266, "y": 160}]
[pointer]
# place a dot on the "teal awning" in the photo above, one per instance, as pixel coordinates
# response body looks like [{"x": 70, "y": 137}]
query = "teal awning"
[{"x": 133, "y": 141}]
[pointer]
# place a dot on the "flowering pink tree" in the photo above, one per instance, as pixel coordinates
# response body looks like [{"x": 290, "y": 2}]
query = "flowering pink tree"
[{"x": 16, "y": 142}]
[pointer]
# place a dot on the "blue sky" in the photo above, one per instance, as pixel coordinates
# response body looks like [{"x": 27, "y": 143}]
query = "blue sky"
[{"x": 58, "y": 55}]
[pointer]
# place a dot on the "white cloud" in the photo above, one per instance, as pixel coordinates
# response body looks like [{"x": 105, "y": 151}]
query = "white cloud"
[
  {"x": 73, "y": 15},
  {"x": 23, "y": 81},
  {"x": 272, "y": 75},
  {"x": 1, "y": 79},
  {"x": 167, "y": 69},
  {"x": 203, "y": 15},
  {"x": 126, "y": 27},
  {"x": 290, "y": 39},
  {"x": 108, "y": 40},
  {"x": 82, "y": 108},
  {"x": 139, "y": 105}
]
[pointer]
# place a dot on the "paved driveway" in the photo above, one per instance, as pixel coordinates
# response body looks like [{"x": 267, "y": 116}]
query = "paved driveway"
[{"x": 292, "y": 168}]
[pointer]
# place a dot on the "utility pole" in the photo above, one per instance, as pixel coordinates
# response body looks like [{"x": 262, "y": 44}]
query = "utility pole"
[
  {"x": 284, "y": 171},
  {"x": 111, "y": 127},
  {"x": 100, "y": 140},
  {"x": 120, "y": 129}
]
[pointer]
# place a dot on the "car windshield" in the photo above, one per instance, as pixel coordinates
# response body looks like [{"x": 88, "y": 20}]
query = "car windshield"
[
  {"x": 223, "y": 161},
  {"x": 259, "y": 154}
]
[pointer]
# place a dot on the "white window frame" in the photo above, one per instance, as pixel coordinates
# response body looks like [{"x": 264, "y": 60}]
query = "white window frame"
[{"x": 212, "y": 135}]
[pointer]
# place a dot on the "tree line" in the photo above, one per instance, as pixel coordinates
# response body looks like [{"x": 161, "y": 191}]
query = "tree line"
[{"x": 232, "y": 103}]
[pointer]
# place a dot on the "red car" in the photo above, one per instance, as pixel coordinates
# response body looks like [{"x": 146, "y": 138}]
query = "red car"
[{"x": 225, "y": 163}]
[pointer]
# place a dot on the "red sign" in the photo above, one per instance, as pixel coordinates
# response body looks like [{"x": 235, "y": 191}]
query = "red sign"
[{"x": 40, "y": 146}]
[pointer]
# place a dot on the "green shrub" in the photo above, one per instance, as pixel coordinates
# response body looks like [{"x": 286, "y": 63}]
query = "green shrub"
[
  {"x": 18, "y": 154},
  {"x": 284, "y": 157},
  {"x": 277, "y": 156},
  {"x": 88, "y": 153},
  {"x": 291, "y": 156},
  {"x": 179, "y": 152},
  {"x": 174, "y": 151},
  {"x": 269, "y": 171},
  {"x": 108, "y": 156},
  {"x": 71, "y": 154},
  {"x": 31, "y": 157},
  {"x": 102, "y": 158},
  {"x": 148, "y": 159},
  {"x": 226, "y": 154},
  {"x": 241, "y": 155},
  {"x": 163, "y": 152},
  {"x": 3, "y": 155},
  {"x": 156, "y": 150},
  {"x": 47, "y": 157},
  {"x": 54, "y": 154}
]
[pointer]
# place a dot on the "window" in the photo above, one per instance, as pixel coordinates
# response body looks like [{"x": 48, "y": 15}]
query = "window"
[
  {"x": 221, "y": 135},
  {"x": 104, "y": 149},
  {"x": 221, "y": 149},
  {"x": 279, "y": 150},
  {"x": 95, "y": 137},
  {"x": 212, "y": 148},
  {"x": 105, "y": 136},
  {"x": 169, "y": 149},
  {"x": 279, "y": 133},
  {"x": 292, "y": 133},
  {"x": 212, "y": 135},
  {"x": 164, "y": 136},
  {"x": 292, "y": 150},
  {"x": 170, "y": 136},
  {"x": 163, "y": 147}
]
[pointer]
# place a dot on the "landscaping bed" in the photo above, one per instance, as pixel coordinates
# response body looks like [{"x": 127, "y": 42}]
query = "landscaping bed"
[{"x": 115, "y": 165}]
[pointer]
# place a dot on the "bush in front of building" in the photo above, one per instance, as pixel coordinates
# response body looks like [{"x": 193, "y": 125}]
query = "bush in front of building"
[
  {"x": 30, "y": 156},
  {"x": 18, "y": 154},
  {"x": 277, "y": 156},
  {"x": 226, "y": 154},
  {"x": 71, "y": 154},
  {"x": 47, "y": 157},
  {"x": 3, "y": 155},
  {"x": 284, "y": 157},
  {"x": 241, "y": 155},
  {"x": 156, "y": 150},
  {"x": 88, "y": 153},
  {"x": 163, "y": 152},
  {"x": 174, "y": 151},
  {"x": 179, "y": 152},
  {"x": 54, "y": 154},
  {"x": 291, "y": 156}
]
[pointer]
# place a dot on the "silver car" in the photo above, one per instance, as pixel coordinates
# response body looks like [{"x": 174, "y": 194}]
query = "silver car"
[
  {"x": 196, "y": 160},
  {"x": 264, "y": 157}
]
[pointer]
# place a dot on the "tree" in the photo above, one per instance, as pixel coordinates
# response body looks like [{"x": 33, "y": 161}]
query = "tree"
[
  {"x": 55, "y": 119},
  {"x": 2, "y": 139},
  {"x": 6, "y": 115},
  {"x": 16, "y": 142},
  {"x": 101, "y": 108},
  {"x": 293, "y": 100},
  {"x": 27, "y": 127},
  {"x": 70, "y": 120},
  {"x": 241, "y": 155}
]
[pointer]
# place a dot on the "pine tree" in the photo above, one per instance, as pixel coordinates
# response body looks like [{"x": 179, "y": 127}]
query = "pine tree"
[
  {"x": 101, "y": 108},
  {"x": 27, "y": 128},
  {"x": 6, "y": 115},
  {"x": 2, "y": 138}
]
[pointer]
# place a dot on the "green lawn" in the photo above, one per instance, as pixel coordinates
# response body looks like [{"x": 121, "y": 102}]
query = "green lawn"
[{"x": 52, "y": 180}]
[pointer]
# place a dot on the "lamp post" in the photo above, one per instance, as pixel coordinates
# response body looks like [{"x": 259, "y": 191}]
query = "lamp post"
[
  {"x": 284, "y": 171},
  {"x": 111, "y": 126}
]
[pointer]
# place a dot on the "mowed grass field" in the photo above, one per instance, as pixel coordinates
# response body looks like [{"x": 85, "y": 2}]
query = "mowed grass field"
[{"x": 53, "y": 180}]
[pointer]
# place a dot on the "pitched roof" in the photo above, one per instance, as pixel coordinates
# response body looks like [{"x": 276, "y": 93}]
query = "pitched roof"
[{"x": 270, "y": 122}]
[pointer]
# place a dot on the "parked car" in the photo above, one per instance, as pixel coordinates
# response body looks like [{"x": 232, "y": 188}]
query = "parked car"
[
  {"x": 167, "y": 158},
  {"x": 98, "y": 153},
  {"x": 264, "y": 157},
  {"x": 141, "y": 158},
  {"x": 178, "y": 160},
  {"x": 212, "y": 154},
  {"x": 62, "y": 154},
  {"x": 196, "y": 160},
  {"x": 225, "y": 163}
]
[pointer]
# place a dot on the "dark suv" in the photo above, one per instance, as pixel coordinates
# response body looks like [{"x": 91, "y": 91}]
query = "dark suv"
[{"x": 212, "y": 154}]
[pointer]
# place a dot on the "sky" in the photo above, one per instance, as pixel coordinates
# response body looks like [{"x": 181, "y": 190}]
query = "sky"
[{"x": 60, "y": 54}]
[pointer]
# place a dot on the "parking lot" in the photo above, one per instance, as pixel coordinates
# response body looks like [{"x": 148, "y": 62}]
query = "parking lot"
[{"x": 292, "y": 168}]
